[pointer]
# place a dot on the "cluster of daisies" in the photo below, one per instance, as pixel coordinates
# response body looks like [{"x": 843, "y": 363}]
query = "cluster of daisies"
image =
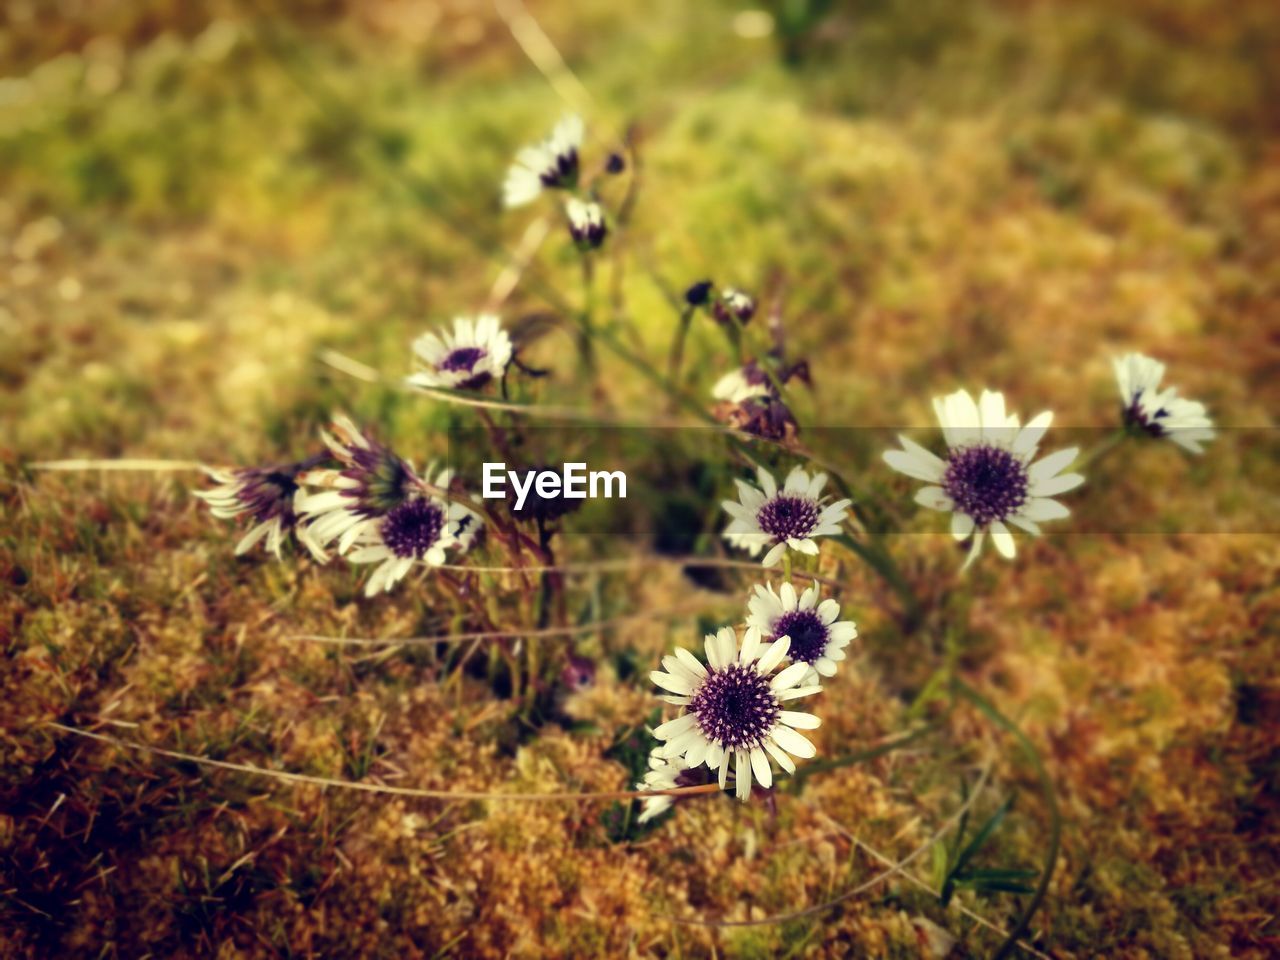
[
  {"x": 732, "y": 716},
  {"x": 358, "y": 500}
]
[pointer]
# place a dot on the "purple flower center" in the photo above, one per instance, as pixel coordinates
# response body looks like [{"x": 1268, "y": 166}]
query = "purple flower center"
[
  {"x": 563, "y": 172},
  {"x": 268, "y": 493},
  {"x": 413, "y": 528},
  {"x": 735, "y": 707},
  {"x": 383, "y": 480},
  {"x": 987, "y": 483},
  {"x": 1136, "y": 415},
  {"x": 808, "y": 634},
  {"x": 785, "y": 518},
  {"x": 464, "y": 358}
]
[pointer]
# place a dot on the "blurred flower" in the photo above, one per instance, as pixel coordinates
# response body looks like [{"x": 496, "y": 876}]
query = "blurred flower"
[
  {"x": 750, "y": 402},
  {"x": 662, "y": 775},
  {"x": 552, "y": 164},
  {"x": 586, "y": 223},
  {"x": 699, "y": 293},
  {"x": 372, "y": 482},
  {"x": 743, "y": 384},
  {"x": 733, "y": 708},
  {"x": 476, "y": 352},
  {"x": 818, "y": 636},
  {"x": 1160, "y": 413},
  {"x": 988, "y": 478},
  {"x": 419, "y": 530},
  {"x": 777, "y": 519},
  {"x": 733, "y": 305},
  {"x": 266, "y": 494}
]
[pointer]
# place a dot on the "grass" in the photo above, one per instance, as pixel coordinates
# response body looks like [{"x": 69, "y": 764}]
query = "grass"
[{"x": 196, "y": 202}]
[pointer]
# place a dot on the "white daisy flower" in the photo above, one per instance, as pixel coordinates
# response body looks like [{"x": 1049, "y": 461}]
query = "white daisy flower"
[
  {"x": 586, "y": 223},
  {"x": 778, "y": 519},
  {"x": 1161, "y": 413},
  {"x": 419, "y": 530},
  {"x": 661, "y": 775},
  {"x": 988, "y": 479},
  {"x": 476, "y": 352},
  {"x": 267, "y": 495},
  {"x": 733, "y": 708},
  {"x": 551, "y": 164},
  {"x": 351, "y": 501},
  {"x": 818, "y": 636}
]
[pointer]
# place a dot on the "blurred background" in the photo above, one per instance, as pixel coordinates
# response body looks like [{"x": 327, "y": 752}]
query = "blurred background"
[{"x": 196, "y": 199}]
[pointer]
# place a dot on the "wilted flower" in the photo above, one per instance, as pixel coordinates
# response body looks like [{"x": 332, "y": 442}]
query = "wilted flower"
[
  {"x": 419, "y": 530},
  {"x": 372, "y": 482},
  {"x": 662, "y": 775},
  {"x": 1160, "y": 413},
  {"x": 552, "y": 164},
  {"x": 475, "y": 353},
  {"x": 266, "y": 494},
  {"x": 818, "y": 636},
  {"x": 749, "y": 402},
  {"x": 733, "y": 708},
  {"x": 988, "y": 479},
  {"x": 586, "y": 223},
  {"x": 733, "y": 306},
  {"x": 777, "y": 519}
]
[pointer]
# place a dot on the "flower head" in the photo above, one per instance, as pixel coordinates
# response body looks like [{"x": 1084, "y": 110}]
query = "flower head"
[
  {"x": 1160, "y": 413},
  {"x": 818, "y": 636},
  {"x": 748, "y": 401},
  {"x": 419, "y": 530},
  {"x": 778, "y": 519},
  {"x": 988, "y": 479},
  {"x": 663, "y": 774},
  {"x": 267, "y": 495},
  {"x": 733, "y": 305},
  {"x": 476, "y": 352},
  {"x": 586, "y": 223},
  {"x": 551, "y": 164},
  {"x": 372, "y": 482},
  {"x": 733, "y": 708}
]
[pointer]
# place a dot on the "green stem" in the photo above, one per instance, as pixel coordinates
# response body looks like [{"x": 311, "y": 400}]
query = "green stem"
[
  {"x": 676, "y": 358},
  {"x": 1095, "y": 454},
  {"x": 1050, "y": 798}
]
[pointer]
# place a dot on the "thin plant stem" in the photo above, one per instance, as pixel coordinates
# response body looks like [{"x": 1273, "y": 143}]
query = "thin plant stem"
[
  {"x": 675, "y": 359},
  {"x": 1051, "y": 801},
  {"x": 1095, "y": 454}
]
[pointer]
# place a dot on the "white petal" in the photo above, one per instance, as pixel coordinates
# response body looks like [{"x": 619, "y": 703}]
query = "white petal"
[
  {"x": 934, "y": 498},
  {"x": 760, "y": 767},
  {"x": 800, "y": 721},
  {"x": 789, "y": 677},
  {"x": 773, "y": 656},
  {"x": 793, "y": 742},
  {"x": 1039, "y": 509},
  {"x": 673, "y": 728},
  {"x": 1003, "y": 540},
  {"x": 1056, "y": 485},
  {"x": 1049, "y": 466},
  {"x": 961, "y": 525},
  {"x": 675, "y": 684}
]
